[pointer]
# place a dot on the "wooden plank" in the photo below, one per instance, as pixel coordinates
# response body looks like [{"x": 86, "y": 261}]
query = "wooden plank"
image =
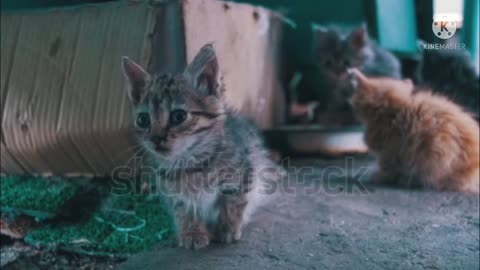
[
  {"x": 124, "y": 37},
  {"x": 241, "y": 36},
  {"x": 20, "y": 100},
  {"x": 10, "y": 27}
]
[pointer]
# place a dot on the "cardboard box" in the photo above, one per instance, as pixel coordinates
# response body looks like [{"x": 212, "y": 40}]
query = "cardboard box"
[{"x": 63, "y": 98}]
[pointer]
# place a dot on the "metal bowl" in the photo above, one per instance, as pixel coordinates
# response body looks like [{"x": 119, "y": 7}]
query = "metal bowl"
[{"x": 316, "y": 139}]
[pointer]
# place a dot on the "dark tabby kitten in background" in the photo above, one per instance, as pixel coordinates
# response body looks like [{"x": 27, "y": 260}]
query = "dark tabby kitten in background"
[
  {"x": 452, "y": 73},
  {"x": 335, "y": 50},
  {"x": 210, "y": 160}
]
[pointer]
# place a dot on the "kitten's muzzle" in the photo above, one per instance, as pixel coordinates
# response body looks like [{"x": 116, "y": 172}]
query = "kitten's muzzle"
[{"x": 160, "y": 143}]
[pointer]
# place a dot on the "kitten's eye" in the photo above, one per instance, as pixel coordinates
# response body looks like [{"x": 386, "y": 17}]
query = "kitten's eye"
[
  {"x": 177, "y": 117},
  {"x": 143, "y": 120}
]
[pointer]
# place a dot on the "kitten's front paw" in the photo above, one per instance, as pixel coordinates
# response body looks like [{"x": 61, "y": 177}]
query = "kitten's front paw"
[
  {"x": 227, "y": 234},
  {"x": 195, "y": 239}
]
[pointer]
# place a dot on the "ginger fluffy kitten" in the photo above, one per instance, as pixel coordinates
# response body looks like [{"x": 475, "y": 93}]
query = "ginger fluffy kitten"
[
  {"x": 210, "y": 161},
  {"x": 419, "y": 138}
]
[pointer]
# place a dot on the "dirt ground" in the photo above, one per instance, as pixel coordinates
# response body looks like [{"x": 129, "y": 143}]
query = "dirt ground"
[
  {"x": 324, "y": 215},
  {"x": 343, "y": 225}
]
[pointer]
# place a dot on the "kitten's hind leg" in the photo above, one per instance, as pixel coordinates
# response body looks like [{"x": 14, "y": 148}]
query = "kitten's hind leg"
[{"x": 230, "y": 219}]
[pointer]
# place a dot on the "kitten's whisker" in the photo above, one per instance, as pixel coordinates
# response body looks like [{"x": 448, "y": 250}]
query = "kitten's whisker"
[
  {"x": 131, "y": 148},
  {"x": 134, "y": 155},
  {"x": 119, "y": 156}
]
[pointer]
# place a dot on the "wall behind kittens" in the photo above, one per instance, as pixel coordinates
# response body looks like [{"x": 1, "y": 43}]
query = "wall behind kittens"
[
  {"x": 63, "y": 97},
  {"x": 298, "y": 40},
  {"x": 35, "y": 4}
]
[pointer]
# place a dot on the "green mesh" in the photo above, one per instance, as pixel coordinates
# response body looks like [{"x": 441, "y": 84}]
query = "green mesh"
[
  {"x": 111, "y": 231},
  {"x": 35, "y": 196},
  {"x": 121, "y": 226}
]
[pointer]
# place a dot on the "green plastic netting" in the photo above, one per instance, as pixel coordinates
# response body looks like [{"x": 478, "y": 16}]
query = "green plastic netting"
[{"x": 119, "y": 226}]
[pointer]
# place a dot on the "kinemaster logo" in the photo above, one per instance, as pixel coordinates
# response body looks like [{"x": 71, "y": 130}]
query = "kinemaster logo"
[{"x": 444, "y": 27}]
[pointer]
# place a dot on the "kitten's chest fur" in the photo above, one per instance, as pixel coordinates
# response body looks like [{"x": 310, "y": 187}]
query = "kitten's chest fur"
[
  {"x": 212, "y": 176},
  {"x": 228, "y": 167}
]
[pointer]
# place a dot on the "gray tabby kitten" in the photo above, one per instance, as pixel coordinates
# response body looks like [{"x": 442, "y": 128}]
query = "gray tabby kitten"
[
  {"x": 212, "y": 159},
  {"x": 337, "y": 49}
]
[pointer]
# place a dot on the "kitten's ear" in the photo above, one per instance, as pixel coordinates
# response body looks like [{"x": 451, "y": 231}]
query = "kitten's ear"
[
  {"x": 359, "y": 37},
  {"x": 320, "y": 35},
  {"x": 409, "y": 83},
  {"x": 204, "y": 71},
  {"x": 319, "y": 32},
  {"x": 137, "y": 78},
  {"x": 361, "y": 79},
  {"x": 319, "y": 29}
]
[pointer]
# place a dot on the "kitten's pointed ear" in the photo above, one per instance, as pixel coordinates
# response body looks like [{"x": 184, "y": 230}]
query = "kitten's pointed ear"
[
  {"x": 359, "y": 37},
  {"x": 409, "y": 83},
  {"x": 137, "y": 78},
  {"x": 204, "y": 71},
  {"x": 320, "y": 29},
  {"x": 319, "y": 32},
  {"x": 361, "y": 79}
]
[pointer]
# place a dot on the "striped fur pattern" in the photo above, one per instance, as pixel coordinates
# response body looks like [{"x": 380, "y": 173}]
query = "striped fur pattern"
[
  {"x": 212, "y": 159},
  {"x": 420, "y": 138}
]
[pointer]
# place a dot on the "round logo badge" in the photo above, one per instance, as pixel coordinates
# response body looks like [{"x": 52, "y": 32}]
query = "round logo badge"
[{"x": 444, "y": 28}]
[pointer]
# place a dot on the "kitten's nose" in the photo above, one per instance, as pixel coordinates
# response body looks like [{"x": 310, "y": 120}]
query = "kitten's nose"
[{"x": 158, "y": 140}]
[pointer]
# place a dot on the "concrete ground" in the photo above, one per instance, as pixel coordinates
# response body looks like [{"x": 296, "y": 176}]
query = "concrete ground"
[{"x": 342, "y": 225}]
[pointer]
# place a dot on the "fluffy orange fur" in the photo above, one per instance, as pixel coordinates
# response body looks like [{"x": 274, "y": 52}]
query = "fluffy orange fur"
[{"x": 419, "y": 138}]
